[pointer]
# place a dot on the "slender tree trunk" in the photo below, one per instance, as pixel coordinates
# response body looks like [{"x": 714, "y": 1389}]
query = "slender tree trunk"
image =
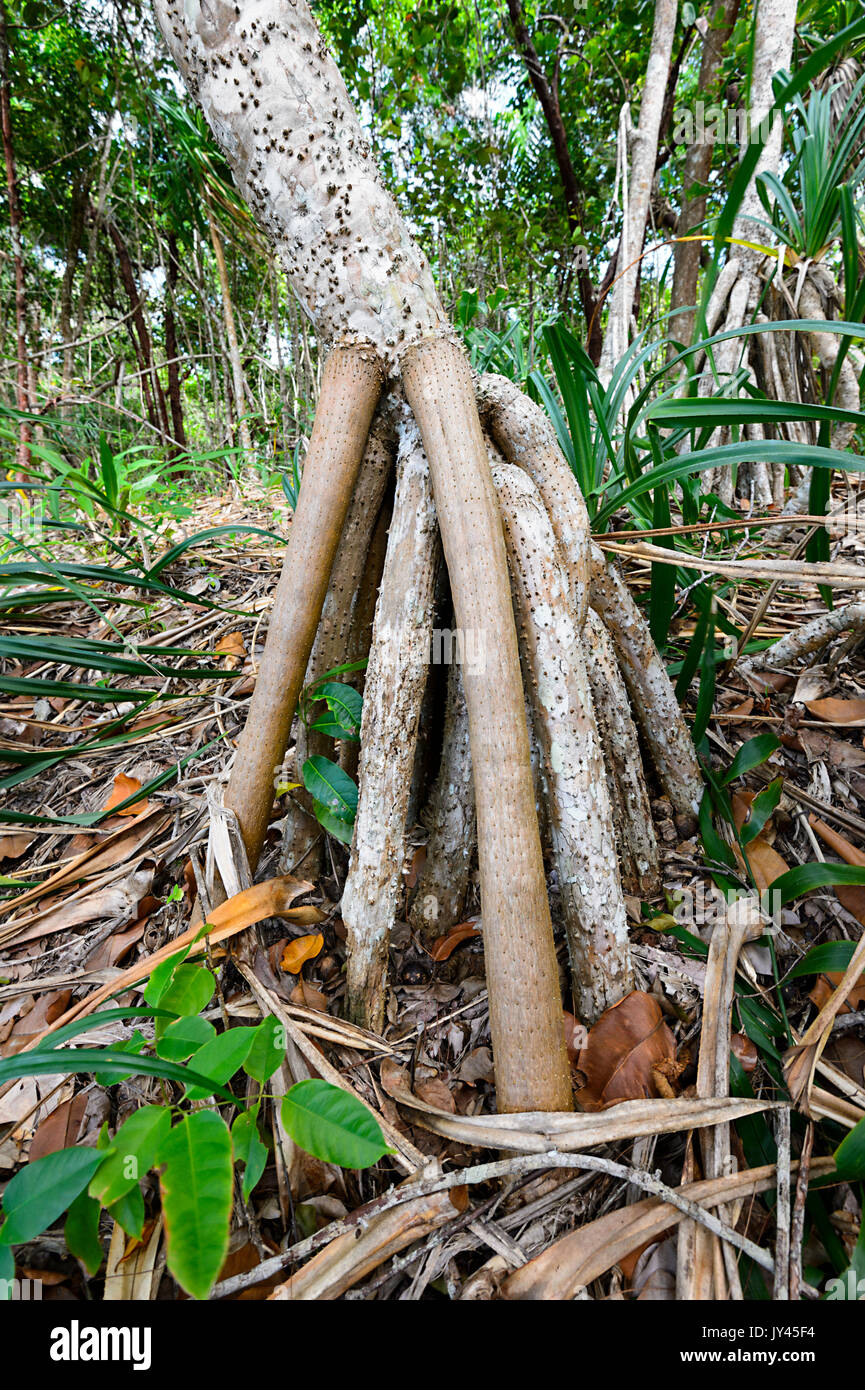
[
  {"x": 172, "y": 351},
  {"x": 231, "y": 337},
  {"x": 22, "y": 380},
  {"x": 698, "y": 163},
  {"x": 73, "y": 246},
  {"x": 642, "y": 172},
  {"x": 548, "y": 99},
  {"x": 151, "y": 386}
]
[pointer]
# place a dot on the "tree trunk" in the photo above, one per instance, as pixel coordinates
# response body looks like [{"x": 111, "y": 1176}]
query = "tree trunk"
[
  {"x": 698, "y": 163},
  {"x": 642, "y": 172},
  {"x": 280, "y": 111},
  {"x": 22, "y": 378},
  {"x": 172, "y": 352},
  {"x": 151, "y": 386},
  {"x": 548, "y": 99},
  {"x": 231, "y": 338}
]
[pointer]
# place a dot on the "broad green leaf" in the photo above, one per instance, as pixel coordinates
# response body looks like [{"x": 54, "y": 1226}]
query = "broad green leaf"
[
  {"x": 751, "y": 755},
  {"x": 107, "y": 1062},
  {"x": 762, "y": 806},
  {"x": 267, "y": 1051},
  {"x": 849, "y": 1155},
  {"x": 805, "y": 877},
  {"x": 81, "y": 1232},
  {"x": 196, "y": 1185},
  {"x": 828, "y": 956},
  {"x": 332, "y": 1125},
  {"x": 41, "y": 1191},
  {"x": 340, "y": 829},
  {"x": 248, "y": 1150},
  {"x": 135, "y": 1046},
  {"x": 189, "y": 991},
  {"x": 134, "y": 1151},
  {"x": 183, "y": 1037},
  {"x": 128, "y": 1212},
  {"x": 220, "y": 1059},
  {"x": 331, "y": 785},
  {"x": 7, "y": 1270},
  {"x": 163, "y": 975}
]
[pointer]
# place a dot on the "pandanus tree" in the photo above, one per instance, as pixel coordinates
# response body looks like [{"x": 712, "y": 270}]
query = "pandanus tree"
[{"x": 477, "y": 465}]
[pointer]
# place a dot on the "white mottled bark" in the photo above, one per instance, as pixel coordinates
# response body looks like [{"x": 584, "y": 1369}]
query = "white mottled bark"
[
  {"x": 526, "y": 437},
  {"x": 278, "y": 107},
  {"x": 392, "y": 701},
  {"x": 632, "y": 815},
  {"x": 581, "y": 821},
  {"x": 652, "y": 696},
  {"x": 450, "y": 815}
]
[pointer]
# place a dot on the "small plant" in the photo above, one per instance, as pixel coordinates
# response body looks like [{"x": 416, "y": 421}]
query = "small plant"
[
  {"x": 334, "y": 793},
  {"x": 190, "y": 1142}
]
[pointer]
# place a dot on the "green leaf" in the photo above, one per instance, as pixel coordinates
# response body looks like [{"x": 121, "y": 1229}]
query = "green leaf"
[
  {"x": 128, "y": 1212},
  {"x": 7, "y": 1269},
  {"x": 41, "y": 1191},
  {"x": 189, "y": 992},
  {"x": 267, "y": 1051},
  {"x": 762, "y": 806},
  {"x": 341, "y": 830},
  {"x": 196, "y": 1186},
  {"x": 134, "y": 1151},
  {"x": 849, "y": 1155},
  {"x": 332, "y": 1125},
  {"x": 183, "y": 1037},
  {"x": 828, "y": 956},
  {"x": 805, "y": 877},
  {"x": 248, "y": 1150},
  {"x": 332, "y": 786},
  {"x": 108, "y": 1062},
  {"x": 163, "y": 975},
  {"x": 81, "y": 1232},
  {"x": 752, "y": 754},
  {"x": 135, "y": 1046},
  {"x": 221, "y": 1058}
]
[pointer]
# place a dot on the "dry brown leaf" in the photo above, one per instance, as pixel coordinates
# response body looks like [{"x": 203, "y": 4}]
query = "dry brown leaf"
[
  {"x": 14, "y": 845},
  {"x": 835, "y": 711},
  {"x": 61, "y": 1129},
  {"x": 125, "y": 787},
  {"x": 299, "y": 951},
  {"x": 622, "y": 1048},
  {"x": 827, "y": 983},
  {"x": 746, "y": 1051},
  {"x": 436, "y": 1092},
  {"x": 232, "y": 647},
  {"x": 478, "y": 1066},
  {"x": 447, "y": 944},
  {"x": 303, "y": 993}
]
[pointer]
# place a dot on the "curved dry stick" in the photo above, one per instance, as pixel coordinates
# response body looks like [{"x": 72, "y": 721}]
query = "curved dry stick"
[
  {"x": 330, "y": 649},
  {"x": 391, "y": 710},
  {"x": 526, "y": 437},
  {"x": 581, "y": 819},
  {"x": 809, "y": 638},
  {"x": 450, "y": 815},
  {"x": 632, "y": 816},
  {"x": 652, "y": 697},
  {"x": 522, "y": 973},
  {"x": 350, "y": 387}
]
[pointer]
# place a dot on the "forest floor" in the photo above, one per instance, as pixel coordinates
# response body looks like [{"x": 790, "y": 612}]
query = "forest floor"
[{"x": 83, "y": 902}]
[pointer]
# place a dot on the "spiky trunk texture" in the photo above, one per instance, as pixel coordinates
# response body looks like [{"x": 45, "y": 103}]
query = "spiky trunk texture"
[
  {"x": 581, "y": 818},
  {"x": 391, "y": 710}
]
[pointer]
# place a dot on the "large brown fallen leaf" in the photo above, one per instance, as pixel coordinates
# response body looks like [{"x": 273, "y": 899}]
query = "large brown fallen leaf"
[
  {"x": 13, "y": 845},
  {"x": 624, "y": 1048},
  {"x": 272, "y": 898},
  {"x": 124, "y": 787},
  {"x": 445, "y": 945},
  {"x": 834, "y": 711}
]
